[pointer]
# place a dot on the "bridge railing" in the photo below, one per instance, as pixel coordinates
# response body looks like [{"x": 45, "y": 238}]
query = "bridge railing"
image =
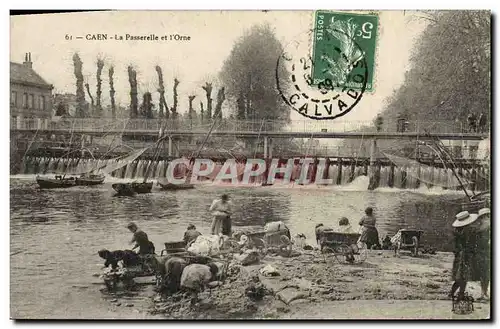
[{"x": 299, "y": 126}]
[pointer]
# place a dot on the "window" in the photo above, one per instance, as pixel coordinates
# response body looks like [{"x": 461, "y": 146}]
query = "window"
[
  {"x": 25, "y": 100},
  {"x": 42, "y": 102},
  {"x": 31, "y": 101},
  {"x": 13, "y": 98}
]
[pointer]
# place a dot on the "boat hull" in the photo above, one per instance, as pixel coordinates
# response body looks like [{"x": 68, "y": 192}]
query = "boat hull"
[
  {"x": 132, "y": 188},
  {"x": 142, "y": 188},
  {"x": 48, "y": 183},
  {"x": 478, "y": 201},
  {"x": 90, "y": 180},
  {"x": 175, "y": 187},
  {"x": 123, "y": 189}
]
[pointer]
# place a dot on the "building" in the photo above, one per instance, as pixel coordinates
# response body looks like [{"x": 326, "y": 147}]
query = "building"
[{"x": 30, "y": 95}]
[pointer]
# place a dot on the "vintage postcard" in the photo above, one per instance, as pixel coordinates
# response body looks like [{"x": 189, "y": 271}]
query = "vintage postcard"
[{"x": 250, "y": 165}]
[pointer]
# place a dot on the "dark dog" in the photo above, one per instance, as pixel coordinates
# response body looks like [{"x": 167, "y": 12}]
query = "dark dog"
[
  {"x": 386, "y": 243},
  {"x": 128, "y": 257}
]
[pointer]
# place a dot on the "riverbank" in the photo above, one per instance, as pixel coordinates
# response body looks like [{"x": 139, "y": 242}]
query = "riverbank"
[{"x": 383, "y": 287}]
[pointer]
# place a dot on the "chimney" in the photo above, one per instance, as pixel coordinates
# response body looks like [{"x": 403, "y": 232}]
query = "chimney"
[{"x": 27, "y": 60}]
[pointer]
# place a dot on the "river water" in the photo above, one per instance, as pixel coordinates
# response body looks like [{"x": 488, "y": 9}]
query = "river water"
[{"x": 55, "y": 234}]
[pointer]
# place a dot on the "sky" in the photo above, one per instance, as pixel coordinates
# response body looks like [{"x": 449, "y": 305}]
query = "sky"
[{"x": 212, "y": 36}]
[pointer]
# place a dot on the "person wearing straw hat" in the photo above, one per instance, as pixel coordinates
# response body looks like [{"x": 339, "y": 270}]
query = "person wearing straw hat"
[
  {"x": 463, "y": 264},
  {"x": 483, "y": 254}
]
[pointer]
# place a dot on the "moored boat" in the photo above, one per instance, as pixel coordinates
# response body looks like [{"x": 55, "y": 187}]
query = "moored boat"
[
  {"x": 123, "y": 189},
  {"x": 57, "y": 182},
  {"x": 90, "y": 179},
  {"x": 132, "y": 188},
  {"x": 141, "y": 188},
  {"x": 477, "y": 201},
  {"x": 165, "y": 185}
]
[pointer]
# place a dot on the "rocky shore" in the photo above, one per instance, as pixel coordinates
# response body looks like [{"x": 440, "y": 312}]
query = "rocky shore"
[{"x": 310, "y": 286}]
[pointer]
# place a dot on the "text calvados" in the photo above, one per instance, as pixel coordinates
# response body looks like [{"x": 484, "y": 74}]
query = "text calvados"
[{"x": 338, "y": 103}]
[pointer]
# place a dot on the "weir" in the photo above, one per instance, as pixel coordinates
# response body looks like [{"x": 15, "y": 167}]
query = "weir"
[{"x": 341, "y": 171}]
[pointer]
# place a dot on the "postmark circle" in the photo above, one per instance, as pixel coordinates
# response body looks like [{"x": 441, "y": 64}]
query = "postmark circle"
[{"x": 327, "y": 99}]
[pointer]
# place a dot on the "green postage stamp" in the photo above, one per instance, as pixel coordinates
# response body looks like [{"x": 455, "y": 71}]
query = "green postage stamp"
[{"x": 341, "y": 42}]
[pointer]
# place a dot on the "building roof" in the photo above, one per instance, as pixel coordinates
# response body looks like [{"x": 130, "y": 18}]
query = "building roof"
[{"x": 21, "y": 73}]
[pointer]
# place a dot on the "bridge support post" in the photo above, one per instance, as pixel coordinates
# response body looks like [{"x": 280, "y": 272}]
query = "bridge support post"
[
  {"x": 353, "y": 171},
  {"x": 390, "y": 182},
  {"x": 83, "y": 147},
  {"x": 339, "y": 166},
  {"x": 169, "y": 146},
  {"x": 19, "y": 122},
  {"x": 373, "y": 173},
  {"x": 270, "y": 146},
  {"x": 404, "y": 176},
  {"x": 419, "y": 175},
  {"x": 460, "y": 174},
  {"x": 265, "y": 147},
  {"x": 326, "y": 171},
  {"x": 314, "y": 171},
  {"x": 474, "y": 177}
]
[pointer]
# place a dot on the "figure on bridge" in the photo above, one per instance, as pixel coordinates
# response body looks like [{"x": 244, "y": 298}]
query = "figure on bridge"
[
  {"x": 482, "y": 123},
  {"x": 403, "y": 125},
  {"x": 472, "y": 121},
  {"x": 379, "y": 121}
]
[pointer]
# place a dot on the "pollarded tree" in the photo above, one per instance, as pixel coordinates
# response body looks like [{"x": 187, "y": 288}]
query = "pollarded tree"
[
  {"x": 132, "y": 78},
  {"x": 175, "y": 113},
  {"x": 100, "y": 66},
  {"x": 112, "y": 91},
  {"x": 208, "y": 91},
  {"x": 81, "y": 107},
  {"x": 161, "y": 90}
]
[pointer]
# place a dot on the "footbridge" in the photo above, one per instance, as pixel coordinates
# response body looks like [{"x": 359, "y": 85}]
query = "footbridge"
[
  {"x": 257, "y": 137},
  {"x": 447, "y": 130}
]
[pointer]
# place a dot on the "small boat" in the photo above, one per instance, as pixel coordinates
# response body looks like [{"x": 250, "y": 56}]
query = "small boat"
[
  {"x": 124, "y": 189},
  {"x": 57, "y": 182},
  {"x": 141, "y": 188},
  {"x": 165, "y": 185},
  {"x": 89, "y": 179},
  {"x": 132, "y": 188},
  {"x": 477, "y": 201}
]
